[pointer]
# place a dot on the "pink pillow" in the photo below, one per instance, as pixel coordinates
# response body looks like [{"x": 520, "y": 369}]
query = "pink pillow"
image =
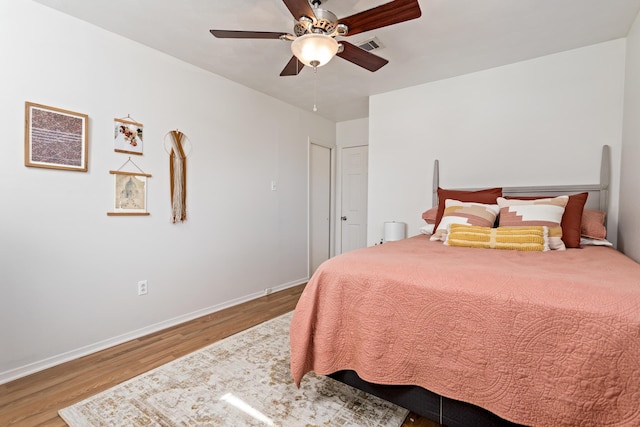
[
  {"x": 593, "y": 224},
  {"x": 430, "y": 215},
  {"x": 467, "y": 213}
]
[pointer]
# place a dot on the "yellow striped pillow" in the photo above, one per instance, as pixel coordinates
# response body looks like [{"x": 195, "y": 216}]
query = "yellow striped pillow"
[{"x": 533, "y": 238}]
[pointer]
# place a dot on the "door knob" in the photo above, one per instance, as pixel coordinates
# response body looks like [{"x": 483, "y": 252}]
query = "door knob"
[{"x": 344, "y": 218}]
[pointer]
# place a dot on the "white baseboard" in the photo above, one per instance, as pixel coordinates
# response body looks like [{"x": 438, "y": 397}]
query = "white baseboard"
[{"x": 49, "y": 362}]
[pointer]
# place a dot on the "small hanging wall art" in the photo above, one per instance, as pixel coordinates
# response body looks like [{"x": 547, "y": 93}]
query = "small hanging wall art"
[
  {"x": 177, "y": 145},
  {"x": 130, "y": 191},
  {"x": 127, "y": 136}
]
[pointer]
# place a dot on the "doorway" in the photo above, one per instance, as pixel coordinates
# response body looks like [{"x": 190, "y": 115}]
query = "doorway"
[
  {"x": 354, "y": 187},
  {"x": 320, "y": 205}
]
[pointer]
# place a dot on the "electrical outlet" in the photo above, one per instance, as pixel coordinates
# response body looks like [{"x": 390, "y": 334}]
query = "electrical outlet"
[{"x": 142, "y": 287}]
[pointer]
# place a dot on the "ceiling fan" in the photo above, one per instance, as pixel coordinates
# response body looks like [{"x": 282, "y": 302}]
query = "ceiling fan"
[{"x": 313, "y": 42}]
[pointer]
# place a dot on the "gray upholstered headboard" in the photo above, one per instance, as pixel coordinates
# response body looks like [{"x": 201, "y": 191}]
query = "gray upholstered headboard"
[{"x": 598, "y": 193}]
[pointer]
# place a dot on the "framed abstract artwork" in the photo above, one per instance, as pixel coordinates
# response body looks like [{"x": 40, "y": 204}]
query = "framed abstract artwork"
[{"x": 55, "y": 138}]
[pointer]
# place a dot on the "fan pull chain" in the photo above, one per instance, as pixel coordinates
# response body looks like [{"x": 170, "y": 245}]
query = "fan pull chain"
[{"x": 315, "y": 88}]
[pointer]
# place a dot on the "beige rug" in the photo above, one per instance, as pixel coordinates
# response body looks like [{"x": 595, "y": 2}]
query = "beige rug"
[{"x": 243, "y": 380}]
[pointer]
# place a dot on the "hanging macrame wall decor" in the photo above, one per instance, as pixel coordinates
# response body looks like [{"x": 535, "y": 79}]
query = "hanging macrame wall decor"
[{"x": 178, "y": 146}]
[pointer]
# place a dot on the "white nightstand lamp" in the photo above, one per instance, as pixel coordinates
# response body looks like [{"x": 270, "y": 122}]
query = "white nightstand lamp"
[{"x": 394, "y": 231}]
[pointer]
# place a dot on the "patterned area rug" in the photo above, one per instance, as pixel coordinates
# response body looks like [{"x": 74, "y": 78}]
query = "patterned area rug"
[{"x": 243, "y": 380}]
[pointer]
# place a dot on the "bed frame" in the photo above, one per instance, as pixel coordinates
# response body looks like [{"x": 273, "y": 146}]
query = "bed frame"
[
  {"x": 598, "y": 193},
  {"x": 450, "y": 412}
]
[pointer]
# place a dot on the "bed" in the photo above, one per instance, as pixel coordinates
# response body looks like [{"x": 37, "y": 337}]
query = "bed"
[{"x": 467, "y": 336}]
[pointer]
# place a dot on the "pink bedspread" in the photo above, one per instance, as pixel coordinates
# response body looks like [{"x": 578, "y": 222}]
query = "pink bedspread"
[{"x": 547, "y": 338}]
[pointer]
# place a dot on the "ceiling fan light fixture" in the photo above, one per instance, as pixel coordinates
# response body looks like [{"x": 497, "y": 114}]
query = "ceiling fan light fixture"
[{"x": 314, "y": 50}]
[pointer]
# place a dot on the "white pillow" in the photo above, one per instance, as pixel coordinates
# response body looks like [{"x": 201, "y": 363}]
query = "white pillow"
[
  {"x": 427, "y": 229},
  {"x": 587, "y": 241}
]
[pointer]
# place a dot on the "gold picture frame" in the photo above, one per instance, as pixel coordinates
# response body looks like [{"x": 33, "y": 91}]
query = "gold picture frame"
[{"x": 55, "y": 138}]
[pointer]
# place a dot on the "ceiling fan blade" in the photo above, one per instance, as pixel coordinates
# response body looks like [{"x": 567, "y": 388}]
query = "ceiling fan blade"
[
  {"x": 292, "y": 68},
  {"x": 230, "y": 34},
  {"x": 299, "y": 8},
  {"x": 390, "y": 13},
  {"x": 361, "y": 57}
]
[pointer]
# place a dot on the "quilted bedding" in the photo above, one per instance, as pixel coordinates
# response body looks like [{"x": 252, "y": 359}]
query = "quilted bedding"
[{"x": 542, "y": 338}]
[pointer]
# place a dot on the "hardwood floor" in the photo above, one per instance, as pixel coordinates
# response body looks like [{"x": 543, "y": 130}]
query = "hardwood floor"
[{"x": 36, "y": 399}]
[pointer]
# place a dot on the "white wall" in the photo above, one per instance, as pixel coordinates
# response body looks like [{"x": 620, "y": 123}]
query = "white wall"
[
  {"x": 538, "y": 122},
  {"x": 68, "y": 272},
  {"x": 629, "y": 227},
  {"x": 352, "y": 133}
]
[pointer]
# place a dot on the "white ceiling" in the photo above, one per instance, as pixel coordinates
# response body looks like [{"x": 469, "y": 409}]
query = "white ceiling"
[{"x": 453, "y": 37}]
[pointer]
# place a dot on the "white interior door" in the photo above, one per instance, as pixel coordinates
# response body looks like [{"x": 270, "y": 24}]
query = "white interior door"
[
  {"x": 355, "y": 164},
  {"x": 319, "y": 205}
]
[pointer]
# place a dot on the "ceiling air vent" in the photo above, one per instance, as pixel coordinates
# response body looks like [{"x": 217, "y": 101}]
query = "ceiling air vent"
[{"x": 371, "y": 44}]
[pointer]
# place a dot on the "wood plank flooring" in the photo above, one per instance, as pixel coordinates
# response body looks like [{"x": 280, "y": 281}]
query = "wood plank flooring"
[{"x": 35, "y": 400}]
